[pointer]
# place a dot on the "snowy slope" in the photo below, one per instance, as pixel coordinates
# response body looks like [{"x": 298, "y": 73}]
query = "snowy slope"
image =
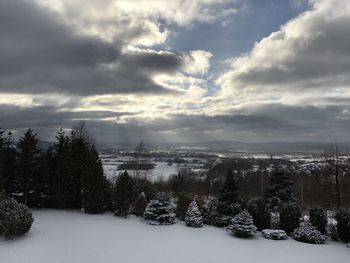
[{"x": 73, "y": 237}]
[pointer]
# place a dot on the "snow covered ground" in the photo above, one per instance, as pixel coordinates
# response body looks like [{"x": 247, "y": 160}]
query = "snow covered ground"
[
  {"x": 162, "y": 169},
  {"x": 73, "y": 237}
]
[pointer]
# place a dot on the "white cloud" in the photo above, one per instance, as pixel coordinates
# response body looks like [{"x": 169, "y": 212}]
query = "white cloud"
[
  {"x": 197, "y": 62},
  {"x": 308, "y": 57},
  {"x": 138, "y": 21}
]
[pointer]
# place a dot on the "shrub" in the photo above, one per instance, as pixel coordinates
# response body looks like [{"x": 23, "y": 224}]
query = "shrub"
[
  {"x": 124, "y": 194},
  {"x": 289, "y": 217},
  {"x": 308, "y": 234},
  {"x": 242, "y": 224},
  {"x": 274, "y": 234},
  {"x": 183, "y": 201},
  {"x": 193, "y": 217},
  {"x": 256, "y": 207},
  {"x": 139, "y": 205},
  {"x": 160, "y": 211},
  {"x": 343, "y": 226},
  {"x": 16, "y": 219},
  {"x": 208, "y": 210},
  {"x": 318, "y": 218}
]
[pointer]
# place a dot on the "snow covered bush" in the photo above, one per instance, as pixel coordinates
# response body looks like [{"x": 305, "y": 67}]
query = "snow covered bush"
[
  {"x": 308, "y": 234},
  {"x": 242, "y": 224},
  {"x": 318, "y": 218},
  {"x": 274, "y": 234},
  {"x": 15, "y": 219},
  {"x": 193, "y": 217},
  {"x": 160, "y": 211}
]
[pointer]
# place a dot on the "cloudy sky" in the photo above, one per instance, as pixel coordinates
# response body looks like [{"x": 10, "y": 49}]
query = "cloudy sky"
[{"x": 180, "y": 70}]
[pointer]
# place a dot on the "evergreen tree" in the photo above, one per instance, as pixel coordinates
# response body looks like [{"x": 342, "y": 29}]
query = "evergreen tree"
[
  {"x": 94, "y": 184},
  {"x": 343, "y": 226},
  {"x": 139, "y": 205},
  {"x": 28, "y": 168},
  {"x": 308, "y": 234},
  {"x": 289, "y": 217},
  {"x": 2, "y": 175},
  {"x": 279, "y": 189},
  {"x": 257, "y": 208},
  {"x": 124, "y": 194},
  {"x": 242, "y": 224},
  {"x": 228, "y": 195},
  {"x": 62, "y": 172},
  {"x": 193, "y": 217},
  {"x": 9, "y": 164},
  {"x": 79, "y": 147},
  {"x": 318, "y": 218},
  {"x": 160, "y": 211}
]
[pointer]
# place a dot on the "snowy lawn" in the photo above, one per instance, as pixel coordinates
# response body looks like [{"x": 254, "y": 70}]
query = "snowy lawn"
[{"x": 73, "y": 237}]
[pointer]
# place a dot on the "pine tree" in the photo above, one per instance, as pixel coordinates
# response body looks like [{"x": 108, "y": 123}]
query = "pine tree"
[
  {"x": 139, "y": 205},
  {"x": 228, "y": 202},
  {"x": 193, "y": 217},
  {"x": 279, "y": 189},
  {"x": 94, "y": 184},
  {"x": 308, "y": 234},
  {"x": 62, "y": 172},
  {"x": 343, "y": 226},
  {"x": 257, "y": 208},
  {"x": 160, "y": 211},
  {"x": 289, "y": 217},
  {"x": 242, "y": 224},
  {"x": 124, "y": 194},
  {"x": 28, "y": 167},
  {"x": 9, "y": 165},
  {"x": 2, "y": 174}
]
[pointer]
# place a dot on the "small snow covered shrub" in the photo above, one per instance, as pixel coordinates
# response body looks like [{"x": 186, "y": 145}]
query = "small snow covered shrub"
[
  {"x": 193, "y": 217},
  {"x": 343, "y": 226},
  {"x": 289, "y": 217},
  {"x": 318, "y": 218},
  {"x": 274, "y": 234},
  {"x": 242, "y": 224},
  {"x": 308, "y": 234},
  {"x": 160, "y": 211},
  {"x": 16, "y": 219}
]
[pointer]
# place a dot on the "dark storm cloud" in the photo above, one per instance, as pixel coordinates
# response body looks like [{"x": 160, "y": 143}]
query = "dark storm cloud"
[
  {"x": 40, "y": 53},
  {"x": 46, "y": 117},
  {"x": 275, "y": 122}
]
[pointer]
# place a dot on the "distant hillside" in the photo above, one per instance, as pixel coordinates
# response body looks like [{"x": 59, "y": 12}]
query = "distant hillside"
[{"x": 236, "y": 146}]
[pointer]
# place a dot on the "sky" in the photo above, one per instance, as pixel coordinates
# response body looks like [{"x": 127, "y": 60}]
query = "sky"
[{"x": 177, "y": 71}]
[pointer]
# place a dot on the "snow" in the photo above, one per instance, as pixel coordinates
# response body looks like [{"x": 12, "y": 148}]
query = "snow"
[{"x": 74, "y": 237}]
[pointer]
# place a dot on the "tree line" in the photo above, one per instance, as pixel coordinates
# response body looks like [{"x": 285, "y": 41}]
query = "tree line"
[{"x": 69, "y": 175}]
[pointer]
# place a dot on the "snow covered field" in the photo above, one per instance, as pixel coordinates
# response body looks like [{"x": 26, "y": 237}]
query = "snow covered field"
[
  {"x": 73, "y": 237},
  {"x": 161, "y": 170}
]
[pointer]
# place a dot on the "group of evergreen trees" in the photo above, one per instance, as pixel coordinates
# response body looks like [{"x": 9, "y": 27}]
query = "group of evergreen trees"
[{"x": 69, "y": 175}]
